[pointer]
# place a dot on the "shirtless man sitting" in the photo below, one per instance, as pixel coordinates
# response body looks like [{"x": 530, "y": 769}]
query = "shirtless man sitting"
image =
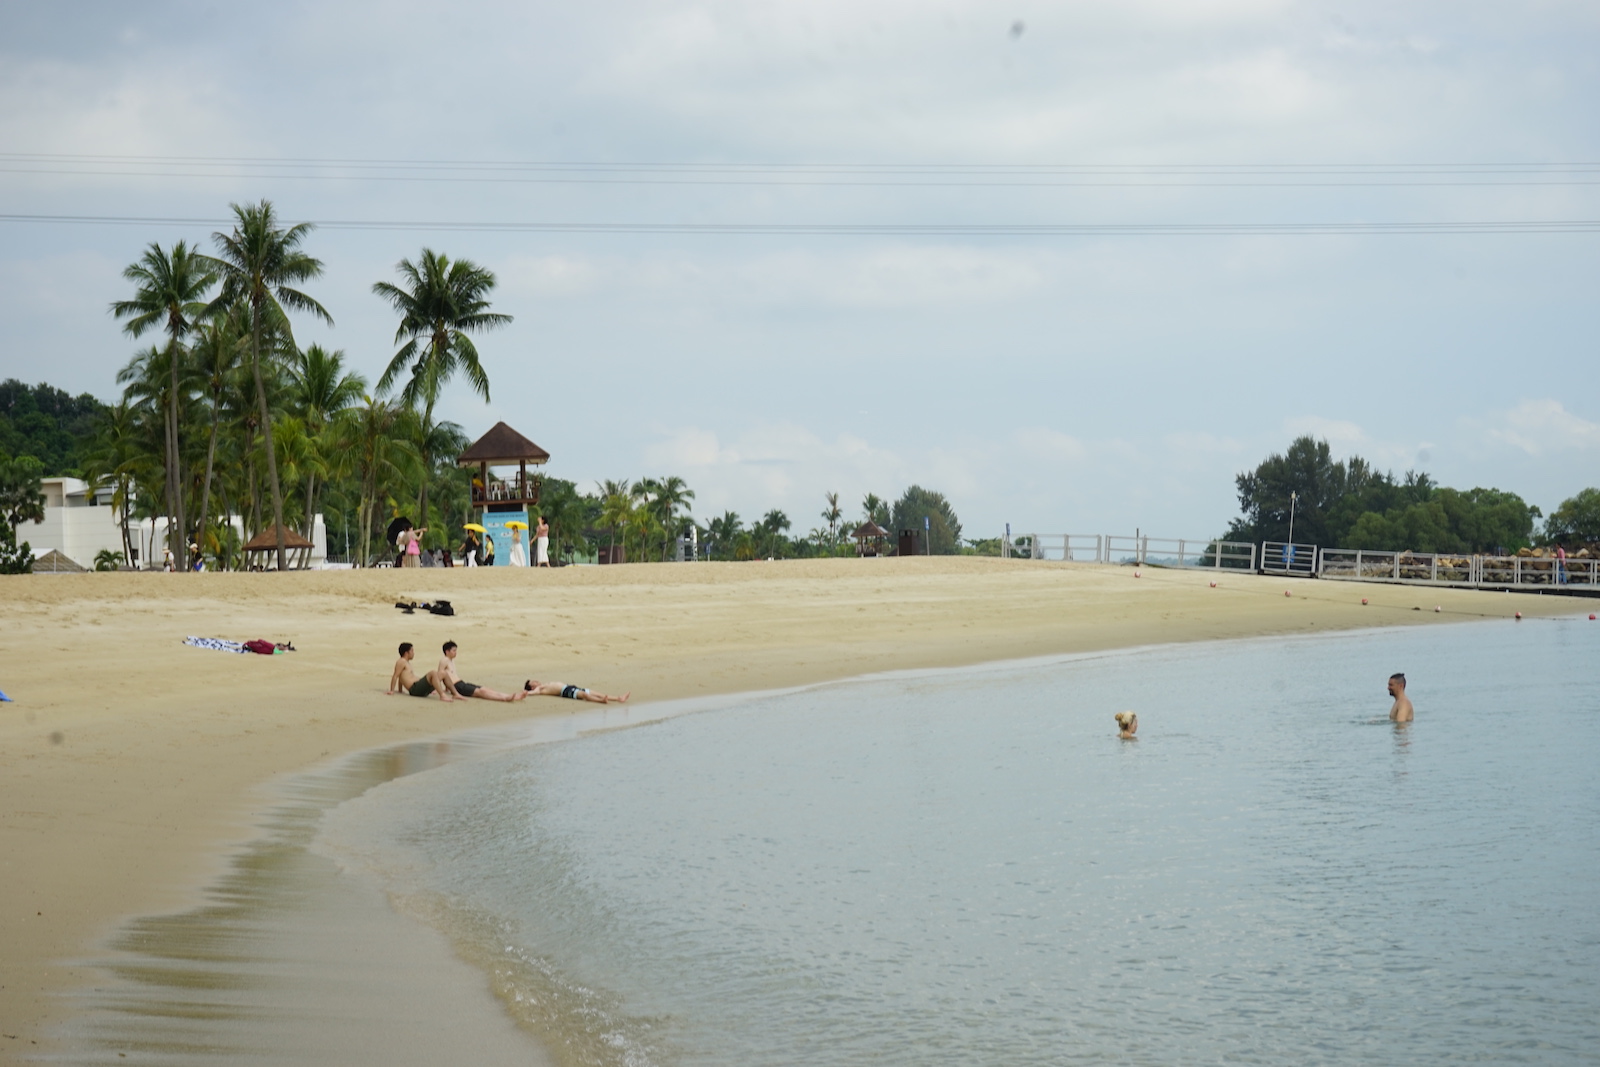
[
  {"x": 404, "y": 680},
  {"x": 447, "y": 672},
  {"x": 571, "y": 692},
  {"x": 1401, "y": 711}
]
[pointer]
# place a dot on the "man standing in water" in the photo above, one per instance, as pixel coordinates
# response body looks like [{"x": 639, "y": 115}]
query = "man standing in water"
[{"x": 1401, "y": 712}]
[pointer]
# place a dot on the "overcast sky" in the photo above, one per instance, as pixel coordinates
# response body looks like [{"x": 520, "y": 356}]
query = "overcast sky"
[{"x": 1083, "y": 383}]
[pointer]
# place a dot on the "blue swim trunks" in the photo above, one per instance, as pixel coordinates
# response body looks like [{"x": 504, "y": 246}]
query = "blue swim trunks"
[{"x": 574, "y": 692}]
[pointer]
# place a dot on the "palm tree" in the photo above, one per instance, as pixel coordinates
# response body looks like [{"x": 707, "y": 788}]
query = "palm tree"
[
  {"x": 724, "y": 532},
  {"x": 216, "y": 361},
  {"x": 773, "y": 524},
  {"x": 616, "y": 509},
  {"x": 832, "y": 514},
  {"x": 322, "y": 390},
  {"x": 114, "y": 458},
  {"x": 258, "y": 263},
  {"x": 669, "y": 494},
  {"x": 379, "y": 444},
  {"x": 170, "y": 291},
  {"x": 441, "y": 303}
]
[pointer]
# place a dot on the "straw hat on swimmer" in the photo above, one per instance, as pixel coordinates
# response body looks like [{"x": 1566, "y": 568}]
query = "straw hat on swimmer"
[{"x": 1127, "y": 725}]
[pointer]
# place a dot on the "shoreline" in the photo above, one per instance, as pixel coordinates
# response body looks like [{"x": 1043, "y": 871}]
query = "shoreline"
[{"x": 134, "y": 766}]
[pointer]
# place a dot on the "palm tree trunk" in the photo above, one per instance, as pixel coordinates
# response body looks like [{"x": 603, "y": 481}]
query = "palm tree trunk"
[
  {"x": 176, "y": 526},
  {"x": 266, "y": 430},
  {"x": 205, "y": 496},
  {"x": 427, "y": 462}
]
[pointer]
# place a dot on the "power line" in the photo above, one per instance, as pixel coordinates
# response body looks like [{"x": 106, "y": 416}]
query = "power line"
[
  {"x": 893, "y": 175},
  {"x": 976, "y": 229}
]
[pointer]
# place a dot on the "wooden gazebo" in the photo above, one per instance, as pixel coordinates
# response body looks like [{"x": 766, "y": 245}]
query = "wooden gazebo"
[
  {"x": 267, "y": 541},
  {"x": 501, "y": 447},
  {"x": 870, "y": 538}
]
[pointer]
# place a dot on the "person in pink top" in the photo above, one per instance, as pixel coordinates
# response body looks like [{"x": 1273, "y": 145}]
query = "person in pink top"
[{"x": 413, "y": 540}]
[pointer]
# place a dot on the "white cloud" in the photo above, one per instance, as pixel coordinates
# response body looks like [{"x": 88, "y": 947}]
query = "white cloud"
[{"x": 1540, "y": 426}]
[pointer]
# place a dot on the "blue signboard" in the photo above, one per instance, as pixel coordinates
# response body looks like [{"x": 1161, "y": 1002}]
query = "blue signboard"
[{"x": 494, "y": 526}]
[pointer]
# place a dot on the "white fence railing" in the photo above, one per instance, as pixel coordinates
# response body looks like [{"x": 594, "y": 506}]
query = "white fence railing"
[
  {"x": 1151, "y": 551},
  {"x": 1443, "y": 568},
  {"x": 1282, "y": 557}
]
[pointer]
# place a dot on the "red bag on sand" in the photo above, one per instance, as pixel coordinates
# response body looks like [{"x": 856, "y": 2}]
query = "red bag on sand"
[{"x": 265, "y": 648}]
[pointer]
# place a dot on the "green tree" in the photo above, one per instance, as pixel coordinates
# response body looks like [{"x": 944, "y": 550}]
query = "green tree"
[
  {"x": 831, "y": 515},
  {"x": 259, "y": 264},
  {"x": 723, "y": 532},
  {"x": 440, "y": 304},
  {"x": 378, "y": 439},
  {"x": 217, "y": 356},
  {"x": 875, "y": 509},
  {"x": 114, "y": 458},
  {"x": 1576, "y": 521},
  {"x": 48, "y": 424},
  {"x": 1306, "y": 478},
  {"x": 322, "y": 391},
  {"x": 21, "y": 500},
  {"x": 943, "y": 528},
  {"x": 170, "y": 295},
  {"x": 772, "y": 526}
]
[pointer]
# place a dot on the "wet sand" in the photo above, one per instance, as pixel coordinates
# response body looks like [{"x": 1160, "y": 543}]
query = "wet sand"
[{"x": 132, "y": 767}]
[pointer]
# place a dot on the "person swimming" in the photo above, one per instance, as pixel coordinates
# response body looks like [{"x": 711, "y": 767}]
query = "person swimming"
[
  {"x": 1401, "y": 710},
  {"x": 1127, "y": 725}
]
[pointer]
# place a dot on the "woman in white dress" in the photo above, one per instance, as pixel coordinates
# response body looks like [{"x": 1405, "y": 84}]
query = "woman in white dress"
[
  {"x": 542, "y": 545},
  {"x": 518, "y": 557}
]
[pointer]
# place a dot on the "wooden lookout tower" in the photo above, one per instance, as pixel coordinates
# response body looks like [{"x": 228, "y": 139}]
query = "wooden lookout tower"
[{"x": 504, "y": 447}]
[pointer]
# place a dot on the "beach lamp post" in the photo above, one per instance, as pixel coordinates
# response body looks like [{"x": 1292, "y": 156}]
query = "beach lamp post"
[{"x": 1292, "y": 498}]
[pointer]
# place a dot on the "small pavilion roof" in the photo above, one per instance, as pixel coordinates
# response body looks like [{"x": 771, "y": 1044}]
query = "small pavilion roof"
[
  {"x": 870, "y": 529},
  {"x": 267, "y": 540},
  {"x": 502, "y": 445}
]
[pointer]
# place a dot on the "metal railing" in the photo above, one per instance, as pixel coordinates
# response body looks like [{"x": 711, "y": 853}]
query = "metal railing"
[
  {"x": 1151, "y": 551},
  {"x": 1445, "y": 568},
  {"x": 1283, "y": 557}
]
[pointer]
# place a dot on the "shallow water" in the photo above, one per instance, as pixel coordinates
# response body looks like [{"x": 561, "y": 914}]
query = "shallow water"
[{"x": 969, "y": 867}]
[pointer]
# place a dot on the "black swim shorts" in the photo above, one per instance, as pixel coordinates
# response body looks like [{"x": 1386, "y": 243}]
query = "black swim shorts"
[
  {"x": 420, "y": 688},
  {"x": 573, "y": 692},
  {"x": 466, "y": 689}
]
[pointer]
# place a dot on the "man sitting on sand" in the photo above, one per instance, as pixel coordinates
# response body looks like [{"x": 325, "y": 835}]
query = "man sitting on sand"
[
  {"x": 1401, "y": 712},
  {"x": 404, "y": 680},
  {"x": 571, "y": 692},
  {"x": 447, "y": 672}
]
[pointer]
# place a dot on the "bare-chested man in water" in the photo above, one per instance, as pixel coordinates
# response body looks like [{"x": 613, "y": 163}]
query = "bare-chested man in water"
[
  {"x": 1401, "y": 712},
  {"x": 404, "y": 680}
]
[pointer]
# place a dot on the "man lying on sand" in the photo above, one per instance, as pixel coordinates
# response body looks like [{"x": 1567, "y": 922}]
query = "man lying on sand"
[
  {"x": 1401, "y": 711},
  {"x": 571, "y": 692},
  {"x": 404, "y": 680},
  {"x": 447, "y": 672}
]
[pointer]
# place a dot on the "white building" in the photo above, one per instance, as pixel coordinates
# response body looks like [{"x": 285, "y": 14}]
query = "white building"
[{"x": 79, "y": 522}]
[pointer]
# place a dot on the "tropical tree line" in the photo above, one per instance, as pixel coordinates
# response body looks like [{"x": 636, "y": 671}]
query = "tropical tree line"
[
  {"x": 226, "y": 419},
  {"x": 1352, "y": 504},
  {"x": 648, "y": 520}
]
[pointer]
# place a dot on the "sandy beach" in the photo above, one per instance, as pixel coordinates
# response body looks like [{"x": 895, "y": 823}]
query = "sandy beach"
[{"x": 130, "y": 764}]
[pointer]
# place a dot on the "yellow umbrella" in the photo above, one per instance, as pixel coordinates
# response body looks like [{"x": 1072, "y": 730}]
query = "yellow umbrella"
[
  {"x": 515, "y": 525},
  {"x": 475, "y": 528}
]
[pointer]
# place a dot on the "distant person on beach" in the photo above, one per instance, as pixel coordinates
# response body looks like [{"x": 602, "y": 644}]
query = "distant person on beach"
[
  {"x": 404, "y": 680},
  {"x": 447, "y": 674},
  {"x": 488, "y": 550},
  {"x": 1401, "y": 711},
  {"x": 1127, "y": 725},
  {"x": 571, "y": 692},
  {"x": 542, "y": 544},
  {"x": 1561, "y": 565},
  {"x": 412, "y": 546},
  {"x": 470, "y": 549},
  {"x": 518, "y": 557}
]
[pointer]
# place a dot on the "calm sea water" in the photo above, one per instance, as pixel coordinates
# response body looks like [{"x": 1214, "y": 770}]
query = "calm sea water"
[{"x": 970, "y": 868}]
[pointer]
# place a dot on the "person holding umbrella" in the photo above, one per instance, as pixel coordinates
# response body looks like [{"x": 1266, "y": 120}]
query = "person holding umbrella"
[
  {"x": 471, "y": 547},
  {"x": 518, "y": 557}
]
